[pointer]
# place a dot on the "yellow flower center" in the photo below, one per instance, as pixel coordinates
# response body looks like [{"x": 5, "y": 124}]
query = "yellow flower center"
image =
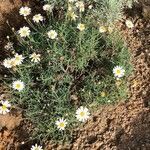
[
  {"x": 82, "y": 114},
  {"x": 17, "y": 58},
  {"x": 24, "y": 32},
  {"x": 118, "y": 71},
  {"x": 51, "y": 34},
  {"x": 82, "y": 26},
  {"x": 35, "y": 57},
  {"x": 4, "y": 107},
  {"x": 18, "y": 86},
  {"x": 62, "y": 125}
]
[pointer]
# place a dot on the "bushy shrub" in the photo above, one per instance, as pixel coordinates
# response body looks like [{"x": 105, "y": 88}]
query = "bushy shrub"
[{"x": 67, "y": 62}]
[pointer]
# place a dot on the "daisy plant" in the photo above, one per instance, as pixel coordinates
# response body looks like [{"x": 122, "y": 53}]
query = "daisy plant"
[
  {"x": 61, "y": 124},
  {"x": 14, "y": 61},
  {"x": 119, "y": 72},
  {"x": 25, "y": 11},
  {"x": 24, "y": 32},
  {"x": 63, "y": 65},
  {"x": 38, "y": 18},
  {"x": 35, "y": 57},
  {"x": 48, "y": 7},
  {"x": 52, "y": 34},
  {"x": 82, "y": 114},
  {"x": 18, "y": 85}
]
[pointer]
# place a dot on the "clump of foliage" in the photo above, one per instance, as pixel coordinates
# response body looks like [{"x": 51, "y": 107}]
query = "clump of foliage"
[
  {"x": 111, "y": 10},
  {"x": 73, "y": 69}
]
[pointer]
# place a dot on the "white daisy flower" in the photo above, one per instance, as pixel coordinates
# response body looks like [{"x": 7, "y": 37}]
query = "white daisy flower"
[
  {"x": 35, "y": 57},
  {"x": 52, "y": 34},
  {"x": 4, "y": 107},
  {"x": 81, "y": 26},
  {"x": 18, "y": 59},
  {"x": 82, "y": 114},
  {"x": 24, "y": 31},
  {"x": 61, "y": 124},
  {"x": 18, "y": 85},
  {"x": 37, "y": 18},
  {"x": 48, "y": 7},
  {"x": 129, "y": 24},
  {"x": 25, "y": 11},
  {"x": 7, "y": 63},
  {"x": 14, "y": 62},
  {"x": 80, "y": 5},
  {"x": 102, "y": 29},
  {"x": 36, "y": 147},
  {"x": 118, "y": 71}
]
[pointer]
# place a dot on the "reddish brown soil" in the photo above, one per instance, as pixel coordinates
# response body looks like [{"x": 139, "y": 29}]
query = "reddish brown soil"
[
  {"x": 139, "y": 42},
  {"x": 125, "y": 126}
]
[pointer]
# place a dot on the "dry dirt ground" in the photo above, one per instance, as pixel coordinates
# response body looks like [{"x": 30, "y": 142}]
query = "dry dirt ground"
[{"x": 125, "y": 126}]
